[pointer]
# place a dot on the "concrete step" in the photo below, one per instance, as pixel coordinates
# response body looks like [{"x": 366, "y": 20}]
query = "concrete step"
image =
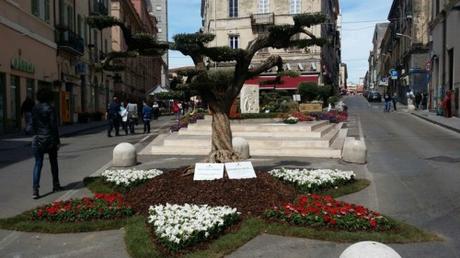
[
  {"x": 192, "y": 141},
  {"x": 263, "y": 127},
  {"x": 339, "y": 141},
  {"x": 267, "y": 152},
  {"x": 319, "y": 132}
]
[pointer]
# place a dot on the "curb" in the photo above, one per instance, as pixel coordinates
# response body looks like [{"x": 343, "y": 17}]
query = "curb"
[{"x": 457, "y": 130}]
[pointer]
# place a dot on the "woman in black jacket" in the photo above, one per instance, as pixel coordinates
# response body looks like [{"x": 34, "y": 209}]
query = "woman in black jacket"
[{"x": 46, "y": 139}]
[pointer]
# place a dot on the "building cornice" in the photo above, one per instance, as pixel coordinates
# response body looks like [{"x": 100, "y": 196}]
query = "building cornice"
[{"x": 26, "y": 32}]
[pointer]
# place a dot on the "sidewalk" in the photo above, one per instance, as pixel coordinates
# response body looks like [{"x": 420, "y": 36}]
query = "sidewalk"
[
  {"x": 452, "y": 123},
  {"x": 64, "y": 130}
]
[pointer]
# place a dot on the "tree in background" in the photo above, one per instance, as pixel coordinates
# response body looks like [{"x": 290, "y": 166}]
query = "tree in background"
[
  {"x": 138, "y": 44},
  {"x": 220, "y": 87}
]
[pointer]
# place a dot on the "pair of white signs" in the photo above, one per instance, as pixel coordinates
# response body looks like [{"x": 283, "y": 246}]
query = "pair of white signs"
[{"x": 210, "y": 171}]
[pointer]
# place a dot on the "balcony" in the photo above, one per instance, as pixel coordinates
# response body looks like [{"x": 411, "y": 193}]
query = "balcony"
[
  {"x": 263, "y": 19},
  {"x": 70, "y": 41},
  {"x": 98, "y": 7}
]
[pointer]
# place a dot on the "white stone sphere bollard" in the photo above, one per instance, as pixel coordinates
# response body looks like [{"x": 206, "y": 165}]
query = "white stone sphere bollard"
[
  {"x": 369, "y": 249},
  {"x": 124, "y": 155},
  {"x": 241, "y": 146},
  {"x": 354, "y": 151}
]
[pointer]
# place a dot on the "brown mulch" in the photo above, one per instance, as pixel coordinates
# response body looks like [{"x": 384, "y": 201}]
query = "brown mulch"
[{"x": 249, "y": 196}]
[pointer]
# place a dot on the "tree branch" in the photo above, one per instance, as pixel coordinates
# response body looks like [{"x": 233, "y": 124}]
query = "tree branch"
[{"x": 272, "y": 61}]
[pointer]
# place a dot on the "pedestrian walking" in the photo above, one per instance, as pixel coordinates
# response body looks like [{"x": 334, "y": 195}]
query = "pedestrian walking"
[
  {"x": 146, "y": 117},
  {"x": 424, "y": 104},
  {"x": 124, "y": 117},
  {"x": 447, "y": 104},
  {"x": 176, "y": 110},
  {"x": 156, "y": 110},
  {"x": 113, "y": 117},
  {"x": 26, "y": 112},
  {"x": 45, "y": 140},
  {"x": 387, "y": 100},
  {"x": 132, "y": 116},
  {"x": 418, "y": 100},
  {"x": 395, "y": 101}
]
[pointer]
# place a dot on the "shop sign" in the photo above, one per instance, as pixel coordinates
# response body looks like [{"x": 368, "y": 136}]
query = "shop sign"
[
  {"x": 394, "y": 74},
  {"x": 22, "y": 65}
]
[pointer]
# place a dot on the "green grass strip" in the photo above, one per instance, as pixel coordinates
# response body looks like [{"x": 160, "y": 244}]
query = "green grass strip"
[
  {"x": 139, "y": 243},
  {"x": 24, "y": 223}
]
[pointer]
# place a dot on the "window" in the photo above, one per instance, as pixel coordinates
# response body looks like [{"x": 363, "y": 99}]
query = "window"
[
  {"x": 234, "y": 41},
  {"x": 233, "y": 8},
  {"x": 79, "y": 28},
  {"x": 41, "y": 9},
  {"x": 294, "y": 6},
  {"x": 264, "y": 6}
]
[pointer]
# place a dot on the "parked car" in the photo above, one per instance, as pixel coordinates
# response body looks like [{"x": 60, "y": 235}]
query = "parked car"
[{"x": 374, "y": 96}]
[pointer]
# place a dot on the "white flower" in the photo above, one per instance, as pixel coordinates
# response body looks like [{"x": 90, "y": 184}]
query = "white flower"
[
  {"x": 313, "y": 178},
  {"x": 178, "y": 223},
  {"x": 129, "y": 176}
]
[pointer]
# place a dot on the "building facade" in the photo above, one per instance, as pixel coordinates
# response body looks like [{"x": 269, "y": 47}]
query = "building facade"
[
  {"x": 406, "y": 47},
  {"x": 83, "y": 88},
  {"x": 160, "y": 11},
  {"x": 376, "y": 80},
  {"x": 445, "y": 53},
  {"x": 343, "y": 76},
  {"x": 141, "y": 74},
  {"x": 236, "y": 22},
  {"x": 27, "y": 57}
]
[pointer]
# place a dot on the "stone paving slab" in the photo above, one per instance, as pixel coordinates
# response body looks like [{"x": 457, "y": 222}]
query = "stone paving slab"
[
  {"x": 452, "y": 123},
  {"x": 108, "y": 244},
  {"x": 270, "y": 246}
]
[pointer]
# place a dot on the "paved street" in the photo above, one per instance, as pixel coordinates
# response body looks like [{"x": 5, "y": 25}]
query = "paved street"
[
  {"x": 80, "y": 156},
  {"x": 414, "y": 167}
]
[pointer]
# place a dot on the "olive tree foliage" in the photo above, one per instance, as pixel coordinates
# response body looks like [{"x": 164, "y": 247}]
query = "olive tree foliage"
[
  {"x": 220, "y": 87},
  {"x": 138, "y": 44}
]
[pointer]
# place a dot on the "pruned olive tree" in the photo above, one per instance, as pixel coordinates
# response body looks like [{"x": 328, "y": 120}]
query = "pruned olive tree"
[
  {"x": 219, "y": 88},
  {"x": 138, "y": 44}
]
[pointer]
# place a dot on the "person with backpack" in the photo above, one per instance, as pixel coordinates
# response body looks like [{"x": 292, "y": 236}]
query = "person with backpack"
[
  {"x": 113, "y": 117},
  {"x": 46, "y": 140},
  {"x": 146, "y": 117}
]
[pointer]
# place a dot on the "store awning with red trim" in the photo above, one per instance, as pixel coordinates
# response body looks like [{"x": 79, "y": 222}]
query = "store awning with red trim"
[{"x": 285, "y": 83}]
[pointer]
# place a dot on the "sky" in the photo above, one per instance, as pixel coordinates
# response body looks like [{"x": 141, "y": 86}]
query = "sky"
[{"x": 359, "y": 19}]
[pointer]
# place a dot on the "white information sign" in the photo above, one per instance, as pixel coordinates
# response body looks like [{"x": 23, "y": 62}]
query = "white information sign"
[
  {"x": 240, "y": 170},
  {"x": 208, "y": 171}
]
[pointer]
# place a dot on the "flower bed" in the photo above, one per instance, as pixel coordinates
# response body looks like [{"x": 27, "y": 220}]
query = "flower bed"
[
  {"x": 179, "y": 226},
  {"x": 302, "y": 117},
  {"x": 325, "y": 211},
  {"x": 291, "y": 120},
  {"x": 313, "y": 180},
  {"x": 130, "y": 177},
  {"x": 334, "y": 116},
  {"x": 190, "y": 118},
  {"x": 102, "y": 206}
]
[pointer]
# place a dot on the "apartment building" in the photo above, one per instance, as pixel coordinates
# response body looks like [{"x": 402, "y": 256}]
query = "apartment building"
[
  {"x": 27, "y": 58},
  {"x": 376, "y": 80},
  {"x": 141, "y": 74},
  {"x": 445, "y": 53},
  {"x": 406, "y": 46},
  {"x": 236, "y": 22},
  {"x": 83, "y": 88},
  {"x": 160, "y": 11}
]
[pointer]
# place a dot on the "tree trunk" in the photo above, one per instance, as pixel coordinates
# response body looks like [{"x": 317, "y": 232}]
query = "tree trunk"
[{"x": 222, "y": 148}]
